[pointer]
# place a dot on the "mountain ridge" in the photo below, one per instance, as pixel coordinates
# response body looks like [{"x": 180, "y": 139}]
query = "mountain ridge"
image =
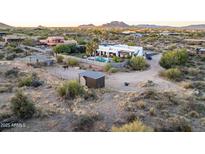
[{"x": 4, "y": 26}]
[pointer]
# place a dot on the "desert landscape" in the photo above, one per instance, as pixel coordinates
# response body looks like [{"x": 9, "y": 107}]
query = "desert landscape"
[{"x": 113, "y": 77}]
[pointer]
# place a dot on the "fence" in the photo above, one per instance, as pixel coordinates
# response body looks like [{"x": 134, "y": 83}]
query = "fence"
[
  {"x": 84, "y": 60},
  {"x": 36, "y": 49},
  {"x": 119, "y": 65}
]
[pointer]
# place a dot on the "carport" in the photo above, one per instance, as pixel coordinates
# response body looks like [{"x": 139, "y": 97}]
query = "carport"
[{"x": 93, "y": 79}]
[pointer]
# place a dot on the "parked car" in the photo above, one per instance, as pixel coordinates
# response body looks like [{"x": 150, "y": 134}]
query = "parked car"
[{"x": 148, "y": 56}]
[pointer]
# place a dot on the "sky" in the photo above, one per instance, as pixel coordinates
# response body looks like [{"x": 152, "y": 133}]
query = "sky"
[{"x": 76, "y": 12}]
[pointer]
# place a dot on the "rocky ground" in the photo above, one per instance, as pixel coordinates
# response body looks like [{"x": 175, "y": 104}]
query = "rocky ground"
[{"x": 160, "y": 104}]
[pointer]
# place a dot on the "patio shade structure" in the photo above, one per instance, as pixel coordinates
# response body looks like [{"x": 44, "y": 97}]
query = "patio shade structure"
[{"x": 93, "y": 79}]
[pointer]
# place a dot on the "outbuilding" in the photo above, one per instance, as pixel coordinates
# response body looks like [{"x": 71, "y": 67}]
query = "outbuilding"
[{"x": 93, "y": 79}]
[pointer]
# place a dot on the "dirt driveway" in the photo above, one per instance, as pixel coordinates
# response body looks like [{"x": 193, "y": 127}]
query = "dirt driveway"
[{"x": 116, "y": 81}]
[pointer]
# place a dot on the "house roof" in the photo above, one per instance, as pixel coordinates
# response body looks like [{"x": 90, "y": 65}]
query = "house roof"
[
  {"x": 15, "y": 37},
  {"x": 92, "y": 74},
  {"x": 120, "y": 47}
]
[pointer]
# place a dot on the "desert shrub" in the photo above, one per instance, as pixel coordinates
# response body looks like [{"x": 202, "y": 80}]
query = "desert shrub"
[
  {"x": 172, "y": 47},
  {"x": 172, "y": 74},
  {"x": 70, "y": 89},
  {"x": 141, "y": 104},
  {"x": 130, "y": 117},
  {"x": 138, "y": 63},
  {"x": 90, "y": 95},
  {"x": 199, "y": 85},
  {"x": 59, "y": 59},
  {"x": 107, "y": 67},
  {"x": 187, "y": 85},
  {"x": 11, "y": 56},
  {"x": 10, "y": 48},
  {"x": 86, "y": 121},
  {"x": 4, "y": 115},
  {"x": 36, "y": 83},
  {"x": 116, "y": 59},
  {"x": 135, "y": 126},
  {"x": 194, "y": 106},
  {"x": 113, "y": 70},
  {"x": 176, "y": 124},
  {"x": 21, "y": 106},
  {"x": 12, "y": 72},
  {"x": 1, "y": 56},
  {"x": 72, "y": 62},
  {"x": 5, "y": 88},
  {"x": 18, "y": 50},
  {"x": 30, "y": 80},
  {"x": 174, "y": 58},
  {"x": 193, "y": 114},
  {"x": 25, "y": 81}
]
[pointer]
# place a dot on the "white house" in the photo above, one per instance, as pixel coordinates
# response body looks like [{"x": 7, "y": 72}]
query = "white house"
[{"x": 120, "y": 50}]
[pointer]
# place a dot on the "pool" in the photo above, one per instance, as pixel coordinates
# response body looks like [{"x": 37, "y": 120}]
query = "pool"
[{"x": 101, "y": 59}]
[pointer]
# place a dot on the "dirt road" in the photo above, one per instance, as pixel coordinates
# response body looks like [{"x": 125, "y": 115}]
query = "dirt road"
[{"x": 116, "y": 81}]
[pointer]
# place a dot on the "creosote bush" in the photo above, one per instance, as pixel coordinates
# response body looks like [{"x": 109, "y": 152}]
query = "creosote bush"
[
  {"x": 135, "y": 126},
  {"x": 21, "y": 106},
  {"x": 138, "y": 63},
  {"x": 59, "y": 59},
  {"x": 172, "y": 74},
  {"x": 174, "y": 58},
  {"x": 30, "y": 80},
  {"x": 85, "y": 122},
  {"x": 70, "y": 89},
  {"x": 72, "y": 62},
  {"x": 107, "y": 67},
  {"x": 25, "y": 81}
]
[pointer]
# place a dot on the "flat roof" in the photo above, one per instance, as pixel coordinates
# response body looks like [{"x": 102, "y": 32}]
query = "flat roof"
[
  {"x": 119, "y": 47},
  {"x": 92, "y": 74}
]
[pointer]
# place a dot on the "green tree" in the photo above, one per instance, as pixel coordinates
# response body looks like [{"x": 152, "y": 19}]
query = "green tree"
[
  {"x": 62, "y": 48},
  {"x": 174, "y": 58}
]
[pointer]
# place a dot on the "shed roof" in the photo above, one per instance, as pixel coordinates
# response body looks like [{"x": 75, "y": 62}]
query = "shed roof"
[{"x": 92, "y": 74}]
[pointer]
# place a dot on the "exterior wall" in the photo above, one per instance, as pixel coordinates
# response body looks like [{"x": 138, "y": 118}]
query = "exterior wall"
[
  {"x": 119, "y": 65},
  {"x": 100, "y": 83},
  {"x": 95, "y": 83}
]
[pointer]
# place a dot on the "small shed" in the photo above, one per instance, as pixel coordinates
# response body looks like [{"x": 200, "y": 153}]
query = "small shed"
[{"x": 93, "y": 79}]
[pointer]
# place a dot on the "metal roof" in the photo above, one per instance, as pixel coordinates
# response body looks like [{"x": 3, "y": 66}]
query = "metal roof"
[{"x": 92, "y": 74}]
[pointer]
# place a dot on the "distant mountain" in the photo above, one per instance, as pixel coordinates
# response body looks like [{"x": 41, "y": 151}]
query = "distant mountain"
[
  {"x": 199, "y": 27},
  {"x": 151, "y": 26},
  {"x": 86, "y": 26},
  {"x": 4, "y": 26},
  {"x": 115, "y": 24}
]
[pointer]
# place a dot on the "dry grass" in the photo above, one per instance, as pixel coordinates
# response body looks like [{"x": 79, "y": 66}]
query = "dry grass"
[{"x": 135, "y": 126}]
